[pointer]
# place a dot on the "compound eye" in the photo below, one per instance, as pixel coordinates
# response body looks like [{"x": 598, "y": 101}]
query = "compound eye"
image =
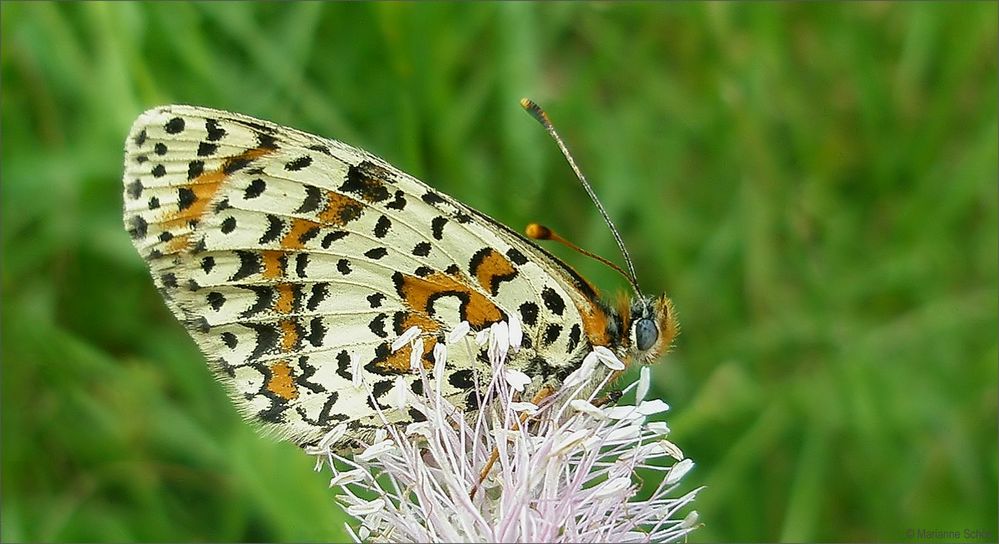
[{"x": 646, "y": 334}]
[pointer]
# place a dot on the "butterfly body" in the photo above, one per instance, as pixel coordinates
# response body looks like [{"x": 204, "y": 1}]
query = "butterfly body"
[{"x": 295, "y": 261}]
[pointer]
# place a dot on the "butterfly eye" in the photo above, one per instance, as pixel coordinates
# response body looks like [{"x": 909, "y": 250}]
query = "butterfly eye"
[{"x": 646, "y": 334}]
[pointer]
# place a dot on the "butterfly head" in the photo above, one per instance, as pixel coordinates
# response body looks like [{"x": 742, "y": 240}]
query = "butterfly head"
[
  {"x": 649, "y": 320},
  {"x": 652, "y": 327}
]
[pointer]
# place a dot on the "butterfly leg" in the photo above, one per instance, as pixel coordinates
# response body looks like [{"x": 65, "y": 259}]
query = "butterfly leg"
[
  {"x": 540, "y": 396},
  {"x": 610, "y": 398}
]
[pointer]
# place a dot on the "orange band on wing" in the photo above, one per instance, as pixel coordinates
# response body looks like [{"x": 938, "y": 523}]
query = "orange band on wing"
[
  {"x": 275, "y": 263},
  {"x": 295, "y": 237},
  {"x": 491, "y": 268},
  {"x": 285, "y": 302},
  {"x": 289, "y": 334},
  {"x": 398, "y": 362},
  {"x": 194, "y": 197},
  {"x": 280, "y": 382},
  {"x": 421, "y": 293},
  {"x": 340, "y": 209},
  {"x": 417, "y": 319}
]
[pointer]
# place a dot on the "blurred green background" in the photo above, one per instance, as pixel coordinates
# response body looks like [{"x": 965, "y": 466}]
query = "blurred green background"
[{"x": 813, "y": 184}]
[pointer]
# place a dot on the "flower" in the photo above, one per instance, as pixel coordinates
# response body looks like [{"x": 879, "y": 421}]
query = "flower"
[{"x": 570, "y": 473}]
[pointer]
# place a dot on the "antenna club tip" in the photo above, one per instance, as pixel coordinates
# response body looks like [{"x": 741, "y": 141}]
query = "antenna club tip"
[
  {"x": 535, "y": 110},
  {"x": 538, "y": 232}
]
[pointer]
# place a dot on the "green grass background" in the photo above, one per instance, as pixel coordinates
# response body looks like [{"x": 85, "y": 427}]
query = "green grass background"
[{"x": 813, "y": 184}]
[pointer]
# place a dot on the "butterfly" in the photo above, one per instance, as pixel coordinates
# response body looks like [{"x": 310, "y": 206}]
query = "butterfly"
[{"x": 295, "y": 262}]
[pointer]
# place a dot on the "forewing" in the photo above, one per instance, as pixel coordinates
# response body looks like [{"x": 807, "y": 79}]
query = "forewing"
[{"x": 294, "y": 261}]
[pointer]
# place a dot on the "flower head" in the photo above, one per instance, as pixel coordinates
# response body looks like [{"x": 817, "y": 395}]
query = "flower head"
[{"x": 567, "y": 470}]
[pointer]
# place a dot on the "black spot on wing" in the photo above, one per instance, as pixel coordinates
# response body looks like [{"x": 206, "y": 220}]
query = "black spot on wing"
[
  {"x": 206, "y": 149},
  {"x": 377, "y": 326},
  {"x": 134, "y": 189},
  {"x": 208, "y": 264},
  {"x": 333, "y": 237},
  {"x": 195, "y": 168},
  {"x": 367, "y": 180},
  {"x": 140, "y": 138},
  {"x": 249, "y": 264},
  {"x": 552, "y": 332},
  {"x": 317, "y": 331},
  {"x": 398, "y": 320},
  {"x": 228, "y": 225},
  {"x": 574, "y": 334},
  {"x": 186, "y": 198},
  {"x": 343, "y": 366},
  {"x": 422, "y": 249},
  {"x": 553, "y": 301},
  {"x": 229, "y": 339},
  {"x": 399, "y": 202},
  {"x": 174, "y": 126},
  {"x": 275, "y": 413},
  {"x": 343, "y": 266},
  {"x": 376, "y": 253},
  {"x": 255, "y": 189},
  {"x": 169, "y": 280},
  {"x": 432, "y": 198},
  {"x": 517, "y": 257},
  {"x": 158, "y": 171},
  {"x": 154, "y": 203},
  {"x": 301, "y": 264},
  {"x": 265, "y": 298},
  {"x": 267, "y": 336},
  {"x": 375, "y": 299},
  {"x": 160, "y": 148},
  {"x": 274, "y": 228},
  {"x": 321, "y": 148},
  {"x": 319, "y": 293},
  {"x": 215, "y": 132},
  {"x": 414, "y": 414},
  {"x": 299, "y": 163},
  {"x": 472, "y": 400},
  {"x": 437, "y": 227},
  {"x": 382, "y": 227},
  {"x": 138, "y": 227},
  {"x": 266, "y": 140},
  {"x": 462, "y": 379},
  {"x": 529, "y": 313},
  {"x": 309, "y": 234},
  {"x": 379, "y": 390},
  {"x": 215, "y": 300},
  {"x": 313, "y": 198},
  {"x": 235, "y": 164}
]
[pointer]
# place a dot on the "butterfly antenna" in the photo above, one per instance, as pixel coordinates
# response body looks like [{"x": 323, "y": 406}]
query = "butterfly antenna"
[
  {"x": 542, "y": 117},
  {"x": 535, "y": 231}
]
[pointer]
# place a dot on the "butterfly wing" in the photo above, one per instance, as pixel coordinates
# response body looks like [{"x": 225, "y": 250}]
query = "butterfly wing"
[{"x": 294, "y": 261}]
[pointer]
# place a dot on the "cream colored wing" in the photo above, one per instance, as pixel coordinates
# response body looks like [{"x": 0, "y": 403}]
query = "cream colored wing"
[{"x": 294, "y": 261}]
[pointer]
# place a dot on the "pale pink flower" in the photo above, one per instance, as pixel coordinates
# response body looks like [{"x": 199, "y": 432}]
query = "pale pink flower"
[{"x": 570, "y": 475}]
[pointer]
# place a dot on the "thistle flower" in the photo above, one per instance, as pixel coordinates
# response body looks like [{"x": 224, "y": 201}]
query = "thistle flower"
[{"x": 569, "y": 473}]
